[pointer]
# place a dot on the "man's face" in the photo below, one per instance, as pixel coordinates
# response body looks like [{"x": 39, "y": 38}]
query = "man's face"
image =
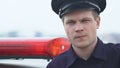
[{"x": 80, "y": 27}]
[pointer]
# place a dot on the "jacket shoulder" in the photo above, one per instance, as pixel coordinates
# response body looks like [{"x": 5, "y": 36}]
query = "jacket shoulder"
[
  {"x": 112, "y": 47},
  {"x": 58, "y": 61}
]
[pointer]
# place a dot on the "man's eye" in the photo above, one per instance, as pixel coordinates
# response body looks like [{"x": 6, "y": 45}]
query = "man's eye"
[{"x": 85, "y": 21}]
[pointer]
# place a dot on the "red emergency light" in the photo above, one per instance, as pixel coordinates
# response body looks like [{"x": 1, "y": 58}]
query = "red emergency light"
[{"x": 33, "y": 48}]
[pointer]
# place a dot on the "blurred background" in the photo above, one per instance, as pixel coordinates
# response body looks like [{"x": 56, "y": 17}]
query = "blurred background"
[{"x": 35, "y": 18}]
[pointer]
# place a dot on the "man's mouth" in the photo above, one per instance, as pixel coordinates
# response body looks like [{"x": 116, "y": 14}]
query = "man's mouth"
[{"x": 80, "y": 36}]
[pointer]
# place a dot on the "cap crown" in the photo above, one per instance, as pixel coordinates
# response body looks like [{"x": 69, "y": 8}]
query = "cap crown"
[{"x": 58, "y": 4}]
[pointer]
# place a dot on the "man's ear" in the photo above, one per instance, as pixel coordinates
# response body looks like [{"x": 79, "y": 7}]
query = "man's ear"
[{"x": 98, "y": 22}]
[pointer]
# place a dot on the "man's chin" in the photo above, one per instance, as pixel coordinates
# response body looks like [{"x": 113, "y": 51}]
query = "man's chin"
[{"x": 80, "y": 44}]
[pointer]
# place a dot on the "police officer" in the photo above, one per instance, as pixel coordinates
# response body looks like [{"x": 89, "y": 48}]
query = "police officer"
[{"x": 81, "y": 19}]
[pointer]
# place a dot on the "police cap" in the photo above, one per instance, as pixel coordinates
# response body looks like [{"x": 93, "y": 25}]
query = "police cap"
[{"x": 62, "y": 7}]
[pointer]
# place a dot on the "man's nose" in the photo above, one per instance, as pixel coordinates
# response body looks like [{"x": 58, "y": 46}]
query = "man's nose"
[{"x": 79, "y": 27}]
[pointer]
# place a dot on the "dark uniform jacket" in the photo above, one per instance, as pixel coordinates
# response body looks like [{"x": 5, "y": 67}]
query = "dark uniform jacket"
[{"x": 103, "y": 56}]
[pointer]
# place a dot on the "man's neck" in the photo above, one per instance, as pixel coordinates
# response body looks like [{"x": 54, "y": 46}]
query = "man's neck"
[{"x": 85, "y": 53}]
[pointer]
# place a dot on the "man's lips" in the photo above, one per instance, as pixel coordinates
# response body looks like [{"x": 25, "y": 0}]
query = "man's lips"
[{"x": 80, "y": 36}]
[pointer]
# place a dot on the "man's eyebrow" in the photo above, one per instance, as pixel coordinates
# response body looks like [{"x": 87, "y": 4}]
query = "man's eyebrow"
[{"x": 86, "y": 18}]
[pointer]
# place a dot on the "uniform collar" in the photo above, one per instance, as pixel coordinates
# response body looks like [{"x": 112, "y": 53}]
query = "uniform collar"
[
  {"x": 99, "y": 53},
  {"x": 71, "y": 57}
]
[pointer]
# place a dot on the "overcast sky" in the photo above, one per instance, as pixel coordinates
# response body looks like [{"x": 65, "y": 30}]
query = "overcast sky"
[{"x": 29, "y": 16}]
